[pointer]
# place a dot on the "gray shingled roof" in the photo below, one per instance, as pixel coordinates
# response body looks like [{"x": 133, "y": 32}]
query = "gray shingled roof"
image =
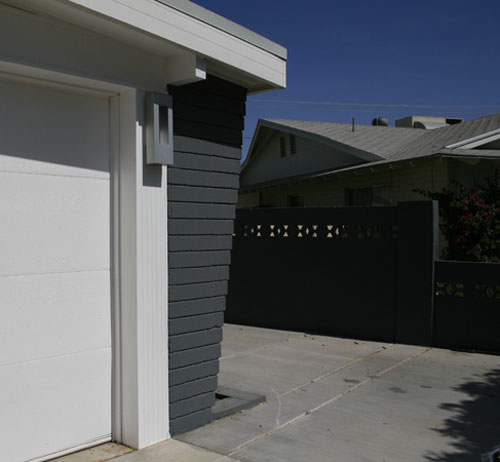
[
  {"x": 437, "y": 140},
  {"x": 383, "y": 145},
  {"x": 395, "y": 143},
  {"x": 381, "y": 141}
]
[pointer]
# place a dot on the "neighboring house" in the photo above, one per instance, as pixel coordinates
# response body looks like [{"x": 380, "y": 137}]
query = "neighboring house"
[
  {"x": 297, "y": 163},
  {"x": 87, "y": 210}
]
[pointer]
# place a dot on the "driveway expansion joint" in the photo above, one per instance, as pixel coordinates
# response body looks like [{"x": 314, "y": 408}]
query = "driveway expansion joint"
[{"x": 329, "y": 401}]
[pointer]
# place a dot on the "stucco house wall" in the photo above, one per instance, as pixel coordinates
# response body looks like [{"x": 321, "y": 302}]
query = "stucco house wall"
[
  {"x": 426, "y": 174},
  {"x": 402, "y": 180}
]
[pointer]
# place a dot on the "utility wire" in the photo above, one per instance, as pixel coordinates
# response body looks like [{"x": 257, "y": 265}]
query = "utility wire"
[
  {"x": 335, "y": 103},
  {"x": 390, "y": 110}
]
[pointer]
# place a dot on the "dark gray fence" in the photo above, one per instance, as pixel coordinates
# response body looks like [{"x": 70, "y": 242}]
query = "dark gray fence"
[
  {"x": 467, "y": 306},
  {"x": 202, "y": 193},
  {"x": 353, "y": 272}
]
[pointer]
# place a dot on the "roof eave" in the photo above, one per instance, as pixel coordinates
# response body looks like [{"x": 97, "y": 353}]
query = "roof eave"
[
  {"x": 167, "y": 29},
  {"x": 228, "y": 26},
  {"x": 356, "y": 168}
]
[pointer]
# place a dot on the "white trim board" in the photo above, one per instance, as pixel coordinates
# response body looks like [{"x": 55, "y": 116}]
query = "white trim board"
[{"x": 476, "y": 141}]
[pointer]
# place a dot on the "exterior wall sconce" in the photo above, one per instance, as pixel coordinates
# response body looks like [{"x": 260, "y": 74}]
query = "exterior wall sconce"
[{"x": 159, "y": 129}]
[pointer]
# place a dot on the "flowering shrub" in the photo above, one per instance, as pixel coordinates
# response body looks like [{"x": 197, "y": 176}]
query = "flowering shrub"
[{"x": 470, "y": 220}]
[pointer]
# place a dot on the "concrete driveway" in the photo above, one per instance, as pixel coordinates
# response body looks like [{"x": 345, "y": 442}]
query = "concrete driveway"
[{"x": 331, "y": 399}]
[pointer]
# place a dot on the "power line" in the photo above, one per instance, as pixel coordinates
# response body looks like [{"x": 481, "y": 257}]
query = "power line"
[
  {"x": 404, "y": 106},
  {"x": 390, "y": 110}
]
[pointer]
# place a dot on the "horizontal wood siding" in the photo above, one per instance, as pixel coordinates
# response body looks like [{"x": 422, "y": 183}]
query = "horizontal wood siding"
[
  {"x": 202, "y": 192},
  {"x": 187, "y": 259},
  {"x": 192, "y": 388}
]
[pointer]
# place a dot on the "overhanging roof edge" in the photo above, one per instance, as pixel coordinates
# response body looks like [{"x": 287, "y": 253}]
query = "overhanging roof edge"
[
  {"x": 382, "y": 163},
  {"x": 226, "y": 25}
]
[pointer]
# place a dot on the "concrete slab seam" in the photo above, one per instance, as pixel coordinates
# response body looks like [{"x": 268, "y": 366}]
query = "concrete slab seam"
[
  {"x": 334, "y": 371},
  {"x": 256, "y": 350},
  {"x": 326, "y": 403}
]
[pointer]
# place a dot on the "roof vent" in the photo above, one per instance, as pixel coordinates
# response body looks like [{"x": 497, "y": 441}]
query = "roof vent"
[
  {"x": 282, "y": 146},
  {"x": 380, "y": 121},
  {"x": 293, "y": 145}
]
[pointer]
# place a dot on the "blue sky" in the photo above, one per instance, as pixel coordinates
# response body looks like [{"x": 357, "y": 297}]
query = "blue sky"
[{"x": 368, "y": 53}]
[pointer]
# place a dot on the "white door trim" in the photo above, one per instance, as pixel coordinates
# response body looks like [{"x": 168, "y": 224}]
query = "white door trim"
[
  {"x": 116, "y": 395},
  {"x": 143, "y": 267}
]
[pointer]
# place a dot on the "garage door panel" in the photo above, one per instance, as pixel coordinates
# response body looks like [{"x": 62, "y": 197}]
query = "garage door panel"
[
  {"x": 55, "y": 224},
  {"x": 42, "y": 401},
  {"x": 55, "y": 285},
  {"x": 10, "y": 164},
  {"x": 31, "y": 127},
  {"x": 34, "y": 309}
]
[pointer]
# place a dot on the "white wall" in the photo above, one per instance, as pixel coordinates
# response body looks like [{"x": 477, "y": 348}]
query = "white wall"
[{"x": 53, "y": 45}]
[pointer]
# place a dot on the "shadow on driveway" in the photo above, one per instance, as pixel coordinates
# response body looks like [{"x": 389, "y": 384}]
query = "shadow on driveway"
[{"x": 475, "y": 421}]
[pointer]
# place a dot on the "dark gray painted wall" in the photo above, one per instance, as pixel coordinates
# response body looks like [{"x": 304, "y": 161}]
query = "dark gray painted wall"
[
  {"x": 467, "y": 306},
  {"x": 359, "y": 272},
  {"x": 368, "y": 273},
  {"x": 202, "y": 193}
]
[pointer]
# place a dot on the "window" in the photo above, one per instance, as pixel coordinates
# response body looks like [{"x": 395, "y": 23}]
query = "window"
[
  {"x": 294, "y": 201},
  {"x": 359, "y": 196},
  {"x": 370, "y": 196},
  {"x": 381, "y": 195}
]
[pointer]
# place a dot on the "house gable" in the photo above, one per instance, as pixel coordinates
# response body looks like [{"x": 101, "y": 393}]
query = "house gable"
[{"x": 280, "y": 154}]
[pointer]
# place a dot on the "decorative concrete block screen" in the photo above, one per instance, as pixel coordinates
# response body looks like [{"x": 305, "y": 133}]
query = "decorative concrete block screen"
[
  {"x": 203, "y": 190},
  {"x": 359, "y": 272},
  {"x": 467, "y": 306}
]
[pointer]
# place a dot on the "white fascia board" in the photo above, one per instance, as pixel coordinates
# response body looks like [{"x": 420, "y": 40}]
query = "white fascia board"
[
  {"x": 476, "y": 141},
  {"x": 175, "y": 27},
  {"x": 220, "y": 22}
]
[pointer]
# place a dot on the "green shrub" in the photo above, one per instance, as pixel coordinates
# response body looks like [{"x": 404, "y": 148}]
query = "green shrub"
[{"x": 470, "y": 220}]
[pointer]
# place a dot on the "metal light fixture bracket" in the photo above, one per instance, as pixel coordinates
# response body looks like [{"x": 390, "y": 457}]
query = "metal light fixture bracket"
[{"x": 159, "y": 129}]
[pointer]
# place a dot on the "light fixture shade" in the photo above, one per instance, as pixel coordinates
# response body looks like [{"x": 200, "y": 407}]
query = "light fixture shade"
[{"x": 159, "y": 129}]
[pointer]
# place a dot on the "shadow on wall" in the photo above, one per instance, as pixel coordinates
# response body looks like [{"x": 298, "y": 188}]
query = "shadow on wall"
[{"x": 474, "y": 426}]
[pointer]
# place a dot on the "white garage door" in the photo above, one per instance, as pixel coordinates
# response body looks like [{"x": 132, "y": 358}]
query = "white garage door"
[{"x": 55, "y": 309}]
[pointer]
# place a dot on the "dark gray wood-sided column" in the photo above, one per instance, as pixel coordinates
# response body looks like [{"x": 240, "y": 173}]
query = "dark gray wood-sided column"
[{"x": 202, "y": 195}]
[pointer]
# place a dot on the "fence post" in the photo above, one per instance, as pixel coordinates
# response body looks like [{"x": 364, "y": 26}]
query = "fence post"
[{"x": 418, "y": 237}]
